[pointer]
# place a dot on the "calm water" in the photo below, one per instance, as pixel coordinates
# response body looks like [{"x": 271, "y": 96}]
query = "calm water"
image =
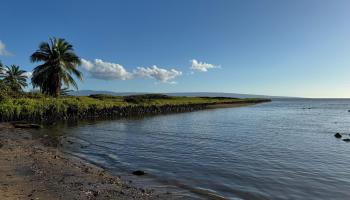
[{"x": 274, "y": 150}]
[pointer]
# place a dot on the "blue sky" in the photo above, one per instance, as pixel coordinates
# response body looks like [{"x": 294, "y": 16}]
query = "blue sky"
[{"x": 272, "y": 47}]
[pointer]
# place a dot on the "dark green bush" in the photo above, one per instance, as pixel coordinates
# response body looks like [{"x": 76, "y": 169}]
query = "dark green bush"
[
  {"x": 102, "y": 96},
  {"x": 35, "y": 95},
  {"x": 144, "y": 98},
  {"x": 7, "y": 92}
]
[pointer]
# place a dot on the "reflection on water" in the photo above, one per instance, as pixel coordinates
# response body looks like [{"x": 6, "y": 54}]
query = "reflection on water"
[{"x": 277, "y": 150}]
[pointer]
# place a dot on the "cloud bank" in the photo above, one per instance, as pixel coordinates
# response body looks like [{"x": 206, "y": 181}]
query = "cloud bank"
[
  {"x": 3, "y": 50},
  {"x": 103, "y": 70},
  {"x": 160, "y": 74},
  {"x": 100, "y": 69},
  {"x": 201, "y": 66}
]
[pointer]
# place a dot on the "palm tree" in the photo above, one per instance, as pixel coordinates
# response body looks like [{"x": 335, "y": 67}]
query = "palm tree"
[
  {"x": 59, "y": 64},
  {"x": 15, "y": 78},
  {"x": 2, "y": 69}
]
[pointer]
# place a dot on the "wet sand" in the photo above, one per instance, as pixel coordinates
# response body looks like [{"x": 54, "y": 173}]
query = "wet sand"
[{"x": 31, "y": 170}]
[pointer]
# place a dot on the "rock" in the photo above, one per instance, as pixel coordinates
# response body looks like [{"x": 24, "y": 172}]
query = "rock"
[
  {"x": 337, "y": 135},
  {"x": 346, "y": 140},
  {"x": 70, "y": 142},
  {"x": 138, "y": 173},
  {"x": 1, "y": 145}
]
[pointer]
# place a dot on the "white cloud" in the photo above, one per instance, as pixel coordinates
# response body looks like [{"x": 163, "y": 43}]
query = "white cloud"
[
  {"x": 100, "y": 69},
  {"x": 160, "y": 74},
  {"x": 201, "y": 66},
  {"x": 28, "y": 74},
  {"x": 3, "y": 50}
]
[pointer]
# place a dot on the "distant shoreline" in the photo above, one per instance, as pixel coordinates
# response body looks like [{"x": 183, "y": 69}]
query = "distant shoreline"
[{"x": 231, "y": 105}]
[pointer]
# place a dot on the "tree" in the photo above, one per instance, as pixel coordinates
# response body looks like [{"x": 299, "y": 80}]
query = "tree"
[
  {"x": 59, "y": 64},
  {"x": 14, "y": 77},
  {"x": 2, "y": 69}
]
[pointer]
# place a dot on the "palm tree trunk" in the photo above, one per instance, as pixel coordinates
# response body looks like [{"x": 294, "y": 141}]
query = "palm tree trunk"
[
  {"x": 57, "y": 85},
  {"x": 57, "y": 91}
]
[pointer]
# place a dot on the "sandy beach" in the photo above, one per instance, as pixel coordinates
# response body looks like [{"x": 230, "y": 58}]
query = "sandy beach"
[{"x": 31, "y": 170}]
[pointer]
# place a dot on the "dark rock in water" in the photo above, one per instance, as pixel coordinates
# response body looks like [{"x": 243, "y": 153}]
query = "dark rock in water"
[
  {"x": 26, "y": 125},
  {"x": 70, "y": 142},
  {"x": 1, "y": 145},
  {"x": 346, "y": 140},
  {"x": 337, "y": 135},
  {"x": 138, "y": 173}
]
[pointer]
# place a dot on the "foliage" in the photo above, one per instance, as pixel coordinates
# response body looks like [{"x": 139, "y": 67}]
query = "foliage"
[
  {"x": 14, "y": 77},
  {"x": 103, "y": 96},
  {"x": 12, "y": 81},
  {"x": 144, "y": 98},
  {"x": 65, "y": 91},
  {"x": 34, "y": 95},
  {"x": 59, "y": 64},
  {"x": 2, "y": 68},
  {"x": 4, "y": 90},
  {"x": 32, "y": 107}
]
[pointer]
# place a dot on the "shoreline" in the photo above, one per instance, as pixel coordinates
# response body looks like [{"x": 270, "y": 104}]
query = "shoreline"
[
  {"x": 61, "y": 110},
  {"x": 31, "y": 170}
]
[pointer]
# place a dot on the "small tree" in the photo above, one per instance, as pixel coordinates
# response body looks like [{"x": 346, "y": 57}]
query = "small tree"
[{"x": 14, "y": 77}]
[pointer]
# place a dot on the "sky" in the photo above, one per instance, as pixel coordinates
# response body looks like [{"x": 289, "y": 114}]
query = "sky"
[{"x": 286, "y": 48}]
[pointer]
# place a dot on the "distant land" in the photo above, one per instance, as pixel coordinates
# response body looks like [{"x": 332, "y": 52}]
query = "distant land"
[{"x": 189, "y": 94}]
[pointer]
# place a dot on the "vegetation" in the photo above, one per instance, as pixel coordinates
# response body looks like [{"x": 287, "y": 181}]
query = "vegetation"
[
  {"x": 12, "y": 81},
  {"x": 59, "y": 64},
  {"x": 14, "y": 77},
  {"x": 2, "y": 69},
  {"x": 146, "y": 98},
  {"x": 43, "y": 108}
]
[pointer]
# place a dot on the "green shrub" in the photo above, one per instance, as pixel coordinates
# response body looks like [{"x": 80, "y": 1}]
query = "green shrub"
[
  {"x": 6, "y": 92},
  {"x": 144, "y": 98},
  {"x": 35, "y": 95},
  {"x": 102, "y": 96},
  {"x": 38, "y": 107}
]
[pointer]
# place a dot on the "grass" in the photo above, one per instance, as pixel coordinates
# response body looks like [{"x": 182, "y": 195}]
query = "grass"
[{"x": 42, "y": 108}]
